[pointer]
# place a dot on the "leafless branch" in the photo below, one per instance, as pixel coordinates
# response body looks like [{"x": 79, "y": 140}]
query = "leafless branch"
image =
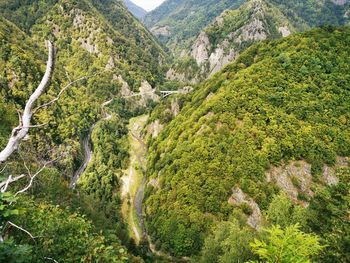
[
  {"x": 51, "y": 259},
  {"x": 3, "y": 169},
  {"x": 22, "y": 229},
  {"x": 63, "y": 90},
  {"x": 68, "y": 77},
  {"x": 32, "y": 177},
  {"x": 37, "y": 126},
  {"x": 19, "y": 117},
  {"x": 20, "y": 132},
  {"x": 25, "y": 164},
  {"x": 4, "y": 185},
  {"x": 3, "y": 190}
]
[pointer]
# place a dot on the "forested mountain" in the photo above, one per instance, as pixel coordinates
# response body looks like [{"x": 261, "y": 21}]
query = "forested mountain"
[
  {"x": 136, "y": 10},
  {"x": 176, "y": 22},
  {"x": 235, "y": 29},
  {"x": 117, "y": 163},
  {"x": 274, "y": 121},
  {"x": 102, "y": 56}
]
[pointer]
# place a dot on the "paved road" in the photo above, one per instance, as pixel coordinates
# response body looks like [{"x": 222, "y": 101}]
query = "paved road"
[
  {"x": 87, "y": 158},
  {"x": 87, "y": 147}
]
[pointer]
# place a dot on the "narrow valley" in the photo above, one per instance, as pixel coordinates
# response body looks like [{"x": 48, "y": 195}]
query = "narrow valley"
[
  {"x": 134, "y": 179},
  {"x": 194, "y": 131}
]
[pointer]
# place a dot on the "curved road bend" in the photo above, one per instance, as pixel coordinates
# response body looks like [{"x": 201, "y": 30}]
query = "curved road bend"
[{"x": 87, "y": 148}]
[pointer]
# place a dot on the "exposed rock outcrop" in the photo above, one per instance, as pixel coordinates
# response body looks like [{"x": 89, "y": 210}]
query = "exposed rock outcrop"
[
  {"x": 173, "y": 75},
  {"x": 161, "y": 31},
  {"x": 238, "y": 198},
  {"x": 79, "y": 21},
  {"x": 147, "y": 93},
  {"x": 284, "y": 30},
  {"x": 296, "y": 177},
  {"x": 155, "y": 128},
  {"x": 329, "y": 173},
  {"x": 226, "y": 51},
  {"x": 175, "y": 107},
  {"x": 293, "y": 178},
  {"x": 340, "y": 2},
  {"x": 200, "y": 49},
  {"x": 219, "y": 58},
  {"x": 125, "y": 89}
]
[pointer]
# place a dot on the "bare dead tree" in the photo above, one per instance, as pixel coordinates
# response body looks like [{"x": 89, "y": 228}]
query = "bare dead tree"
[{"x": 21, "y": 131}]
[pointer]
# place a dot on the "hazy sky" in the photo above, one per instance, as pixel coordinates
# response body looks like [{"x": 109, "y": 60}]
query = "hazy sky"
[{"x": 148, "y": 4}]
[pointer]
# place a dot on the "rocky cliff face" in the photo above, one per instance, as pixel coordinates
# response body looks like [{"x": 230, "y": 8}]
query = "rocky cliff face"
[
  {"x": 161, "y": 31},
  {"x": 340, "y": 2},
  {"x": 250, "y": 24},
  {"x": 234, "y": 30},
  {"x": 185, "y": 19},
  {"x": 201, "y": 48}
]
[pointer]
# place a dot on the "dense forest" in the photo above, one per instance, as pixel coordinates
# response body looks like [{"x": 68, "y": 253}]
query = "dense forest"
[
  {"x": 186, "y": 18},
  {"x": 93, "y": 55},
  {"x": 220, "y": 42},
  {"x": 281, "y": 101},
  {"x": 247, "y": 161}
]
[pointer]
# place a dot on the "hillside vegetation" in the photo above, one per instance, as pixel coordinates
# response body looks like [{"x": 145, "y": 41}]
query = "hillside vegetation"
[
  {"x": 250, "y": 165},
  {"x": 281, "y": 101},
  {"x": 235, "y": 30},
  {"x": 184, "y": 19},
  {"x": 105, "y": 50}
]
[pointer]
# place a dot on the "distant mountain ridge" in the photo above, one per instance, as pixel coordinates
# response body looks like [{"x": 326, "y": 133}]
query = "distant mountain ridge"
[
  {"x": 236, "y": 29},
  {"x": 175, "y": 22},
  {"x": 136, "y": 10}
]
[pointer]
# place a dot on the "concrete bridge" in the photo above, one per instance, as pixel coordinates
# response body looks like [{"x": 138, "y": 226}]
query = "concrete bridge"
[{"x": 166, "y": 93}]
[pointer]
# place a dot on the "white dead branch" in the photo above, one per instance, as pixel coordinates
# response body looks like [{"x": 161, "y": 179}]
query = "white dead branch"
[{"x": 20, "y": 132}]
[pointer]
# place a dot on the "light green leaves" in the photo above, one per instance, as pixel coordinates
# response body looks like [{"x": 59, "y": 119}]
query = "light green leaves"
[{"x": 287, "y": 245}]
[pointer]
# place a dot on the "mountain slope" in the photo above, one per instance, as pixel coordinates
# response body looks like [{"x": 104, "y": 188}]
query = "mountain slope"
[
  {"x": 235, "y": 30},
  {"x": 136, "y": 10},
  {"x": 113, "y": 13},
  {"x": 177, "y": 21},
  {"x": 280, "y": 101},
  {"x": 49, "y": 207},
  {"x": 111, "y": 54}
]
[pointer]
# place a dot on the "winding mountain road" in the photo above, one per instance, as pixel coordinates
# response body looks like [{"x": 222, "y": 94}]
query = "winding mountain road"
[{"x": 87, "y": 147}]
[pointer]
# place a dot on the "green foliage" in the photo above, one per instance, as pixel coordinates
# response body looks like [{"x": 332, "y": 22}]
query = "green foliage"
[
  {"x": 238, "y": 27},
  {"x": 284, "y": 213},
  {"x": 110, "y": 157},
  {"x": 65, "y": 236},
  {"x": 25, "y": 13},
  {"x": 229, "y": 242},
  {"x": 260, "y": 111},
  {"x": 7, "y": 211},
  {"x": 236, "y": 22},
  {"x": 7, "y": 120},
  {"x": 186, "y": 18},
  {"x": 287, "y": 245},
  {"x": 329, "y": 218},
  {"x": 314, "y": 12},
  {"x": 109, "y": 42},
  {"x": 12, "y": 253}
]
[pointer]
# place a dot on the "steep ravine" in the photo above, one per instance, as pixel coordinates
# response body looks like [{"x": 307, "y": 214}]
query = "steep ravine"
[
  {"x": 134, "y": 182},
  {"x": 134, "y": 179}
]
